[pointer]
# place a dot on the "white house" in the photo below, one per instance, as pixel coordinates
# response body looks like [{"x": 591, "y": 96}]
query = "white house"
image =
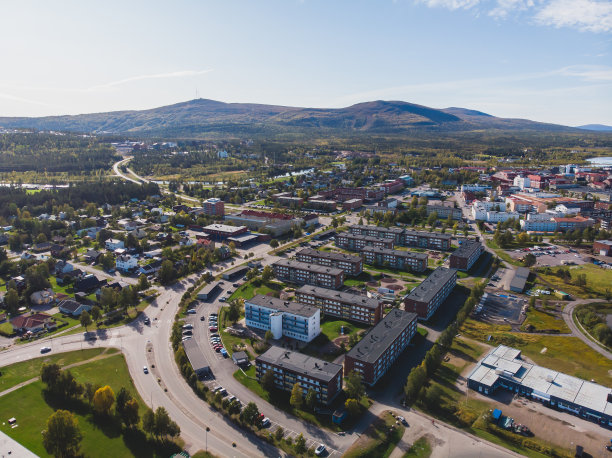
[
  {"x": 497, "y": 217},
  {"x": 63, "y": 267},
  {"x": 186, "y": 241},
  {"x": 113, "y": 244},
  {"x": 127, "y": 224},
  {"x": 126, "y": 262}
]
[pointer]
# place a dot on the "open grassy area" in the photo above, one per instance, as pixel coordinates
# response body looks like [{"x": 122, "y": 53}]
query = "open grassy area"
[
  {"x": 420, "y": 449},
  {"x": 20, "y": 372},
  {"x": 598, "y": 280},
  {"x": 101, "y": 438},
  {"x": 331, "y": 328},
  {"x": 563, "y": 353},
  {"x": 6, "y": 329},
  {"x": 541, "y": 321},
  {"x": 252, "y": 288},
  {"x": 379, "y": 439},
  {"x": 502, "y": 253}
]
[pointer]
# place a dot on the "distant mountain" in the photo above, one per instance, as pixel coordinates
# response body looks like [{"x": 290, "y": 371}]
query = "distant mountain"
[
  {"x": 596, "y": 127},
  {"x": 210, "y": 118}
]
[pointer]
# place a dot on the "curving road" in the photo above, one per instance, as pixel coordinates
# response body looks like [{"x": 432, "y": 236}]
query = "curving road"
[
  {"x": 568, "y": 313},
  {"x": 120, "y": 174}
]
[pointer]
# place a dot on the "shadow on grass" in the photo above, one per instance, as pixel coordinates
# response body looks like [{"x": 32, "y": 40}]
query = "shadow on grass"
[{"x": 142, "y": 446}]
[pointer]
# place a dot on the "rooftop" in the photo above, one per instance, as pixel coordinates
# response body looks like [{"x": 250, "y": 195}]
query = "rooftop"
[
  {"x": 306, "y": 266},
  {"x": 466, "y": 249},
  {"x": 279, "y": 305},
  {"x": 353, "y": 299},
  {"x": 401, "y": 253},
  {"x": 300, "y": 363},
  {"x": 328, "y": 255},
  {"x": 380, "y": 337},
  {"x": 224, "y": 228},
  {"x": 428, "y": 234},
  {"x": 395, "y": 230},
  {"x": 428, "y": 288}
]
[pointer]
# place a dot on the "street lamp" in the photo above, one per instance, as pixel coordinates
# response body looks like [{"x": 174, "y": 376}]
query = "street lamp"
[{"x": 207, "y": 429}]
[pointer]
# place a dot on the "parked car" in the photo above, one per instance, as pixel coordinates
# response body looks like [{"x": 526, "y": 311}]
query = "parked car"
[
  {"x": 191, "y": 312},
  {"x": 320, "y": 450},
  {"x": 188, "y": 326},
  {"x": 265, "y": 422},
  {"x": 45, "y": 349},
  {"x": 147, "y": 321},
  {"x": 224, "y": 352}
]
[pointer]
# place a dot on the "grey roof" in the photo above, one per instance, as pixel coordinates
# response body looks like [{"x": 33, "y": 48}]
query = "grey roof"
[
  {"x": 466, "y": 249},
  {"x": 209, "y": 288},
  {"x": 240, "y": 356},
  {"x": 223, "y": 228},
  {"x": 274, "y": 303},
  {"x": 236, "y": 270},
  {"x": 194, "y": 354},
  {"x": 520, "y": 278},
  {"x": 300, "y": 363},
  {"x": 353, "y": 299},
  {"x": 328, "y": 255},
  {"x": 431, "y": 285},
  {"x": 437, "y": 235},
  {"x": 365, "y": 237},
  {"x": 399, "y": 253},
  {"x": 70, "y": 305},
  {"x": 377, "y": 340},
  {"x": 307, "y": 266},
  {"x": 363, "y": 227}
]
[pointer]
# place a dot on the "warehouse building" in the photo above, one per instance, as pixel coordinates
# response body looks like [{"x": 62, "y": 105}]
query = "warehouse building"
[
  {"x": 517, "y": 284},
  {"x": 464, "y": 257},
  {"x": 348, "y": 306},
  {"x": 352, "y": 265},
  {"x": 503, "y": 367},
  {"x": 223, "y": 231},
  {"x": 395, "y": 259},
  {"x": 291, "y": 367},
  {"x": 381, "y": 346},
  {"x": 358, "y": 242},
  {"x": 283, "y": 318},
  {"x": 303, "y": 273},
  {"x": 425, "y": 299}
]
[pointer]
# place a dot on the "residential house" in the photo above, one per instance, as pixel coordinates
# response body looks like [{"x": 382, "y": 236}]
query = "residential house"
[
  {"x": 88, "y": 283},
  {"x": 126, "y": 262},
  {"x": 63, "y": 267},
  {"x": 42, "y": 297},
  {"x": 72, "y": 307},
  {"x": 34, "y": 322},
  {"x": 151, "y": 268},
  {"x": 114, "y": 244},
  {"x": 92, "y": 256},
  {"x": 40, "y": 247}
]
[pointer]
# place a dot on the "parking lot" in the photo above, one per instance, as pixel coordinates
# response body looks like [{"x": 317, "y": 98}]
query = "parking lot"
[
  {"x": 505, "y": 308},
  {"x": 550, "y": 256}
]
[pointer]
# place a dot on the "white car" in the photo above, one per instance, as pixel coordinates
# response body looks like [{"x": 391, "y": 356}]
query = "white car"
[
  {"x": 320, "y": 450},
  {"x": 145, "y": 370},
  {"x": 265, "y": 422}
]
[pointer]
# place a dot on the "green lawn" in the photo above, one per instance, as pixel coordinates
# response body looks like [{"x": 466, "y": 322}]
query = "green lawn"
[
  {"x": 378, "y": 440},
  {"x": 6, "y": 329},
  {"x": 20, "y": 372},
  {"x": 420, "y": 449},
  {"x": 100, "y": 438},
  {"x": 598, "y": 280},
  {"x": 544, "y": 321},
  {"x": 251, "y": 289},
  {"x": 331, "y": 328},
  {"x": 502, "y": 253}
]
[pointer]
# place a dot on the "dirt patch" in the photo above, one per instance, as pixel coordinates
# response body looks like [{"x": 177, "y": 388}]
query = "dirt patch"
[
  {"x": 395, "y": 287},
  {"x": 373, "y": 284},
  {"x": 388, "y": 280}
]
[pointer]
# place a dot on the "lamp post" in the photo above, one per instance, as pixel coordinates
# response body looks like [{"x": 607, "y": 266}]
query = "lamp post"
[{"x": 207, "y": 429}]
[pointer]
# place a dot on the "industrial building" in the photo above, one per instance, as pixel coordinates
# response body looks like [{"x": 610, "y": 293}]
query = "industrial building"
[
  {"x": 303, "y": 273},
  {"x": 223, "y": 231},
  {"x": 425, "y": 299},
  {"x": 395, "y": 259},
  {"x": 348, "y": 306},
  {"x": 290, "y": 367},
  {"x": 503, "y": 367},
  {"x": 381, "y": 346},
  {"x": 283, "y": 318},
  {"x": 464, "y": 257},
  {"x": 351, "y": 265}
]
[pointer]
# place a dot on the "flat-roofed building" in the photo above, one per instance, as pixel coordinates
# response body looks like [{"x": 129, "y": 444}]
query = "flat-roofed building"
[
  {"x": 321, "y": 204},
  {"x": 425, "y": 299},
  {"x": 213, "y": 207},
  {"x": 348, "y": 306},
  {"x": 223, "y": 231},
  {"x": 464, "y": 257},
  {"x": 283, "y": 318},
  {"x": 209, "y": 291},
  {"x": 290, "y": 367},
  {"x": 352, "y": 204},
  {"x": 381, "y": 346},
  {"x": 358, "y": 242},
  {"x": 394, "y": 233},
  {"x": 517, "y": 284},
  {"x": 304, "y": 273},
  {"x": 503, "y": 367},
  {"x": 196, "y": 357},
  {"x": 395, "y": 259},
  {"x": 422, "y": 239},
  {"x": 351, "y": 265},
  {"x": 443, "y": 210}
]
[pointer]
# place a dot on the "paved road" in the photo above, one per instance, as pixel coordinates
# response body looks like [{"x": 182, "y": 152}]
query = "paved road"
[
  {"x": 120, "y": 174},
  {"x": 576, "y": 331}
]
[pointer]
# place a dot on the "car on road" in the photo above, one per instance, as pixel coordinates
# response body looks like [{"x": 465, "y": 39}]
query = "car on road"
[
  {"x": 223, "y": 299},
  {"x": 145, "y": 370},
  {"x": 191, "y": 312},
  {"x": 321, "y": 450},
  {"x": 45, "y": 349},
  {"x": 147, "y": 321},
  {"x": 202, "y": 318},
  {"x": 265, "y": 422}
]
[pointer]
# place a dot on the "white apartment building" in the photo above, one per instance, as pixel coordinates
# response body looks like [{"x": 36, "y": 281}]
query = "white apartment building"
[
  {"x": 522, "y": 182},
  {"x": 539, "y": 222}
]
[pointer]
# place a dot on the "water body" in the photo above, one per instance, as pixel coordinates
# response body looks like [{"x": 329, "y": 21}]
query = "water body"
[{"x": 600, "y": 161}]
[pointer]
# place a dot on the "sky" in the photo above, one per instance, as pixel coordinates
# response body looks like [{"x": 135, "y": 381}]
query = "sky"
[{"x": 545, "y": 60}]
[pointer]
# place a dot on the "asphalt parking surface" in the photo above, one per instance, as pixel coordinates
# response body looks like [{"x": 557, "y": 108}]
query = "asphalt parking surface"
[{"x": 503, "y": 307}]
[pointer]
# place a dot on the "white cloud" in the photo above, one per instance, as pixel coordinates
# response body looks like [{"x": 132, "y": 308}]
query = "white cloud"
[
  {"x": 132, "y": 79},
  {"x": 504, "y": 7},
  {"x": 586, "y": 15},
  {"x": 588, "y": 72},
  {"x": 451, "y": 4}
]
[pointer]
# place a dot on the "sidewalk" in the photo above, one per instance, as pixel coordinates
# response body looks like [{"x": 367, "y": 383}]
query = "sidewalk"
[{"x": 8, "y": 447}]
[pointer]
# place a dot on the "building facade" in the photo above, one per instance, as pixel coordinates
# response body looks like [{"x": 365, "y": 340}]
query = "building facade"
[
  {"x": 464, "y": 257},
  {"x": 351, "y": 265},
  {"x": 348, "y": 306},
  {"x": 443, "y": 211},
  {"x": 425, "y": 299},
  {"x": 283, "y": 318},
  {"x": 395, "y": 259},
  {"x": 303, "y": 273},
  {"x": 353, "y": 242},
  {"x": 223, "y": 231},
  {"x": 214, "y": 207},
  {"x": 381, "y": 346}
]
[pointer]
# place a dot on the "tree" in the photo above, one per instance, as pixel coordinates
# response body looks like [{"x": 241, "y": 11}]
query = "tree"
[
  {"x": 62, "y": 437},
  {"x": 233, "y": 313},
  {"x": 529, "y": 260},
  {"x": 85, "y": 319},
  {"x": 267, "y": 274},
  {"x": 103, "y": 400},
  {"x": 311, "y": 399},
  {"x": 433, "y": 395},
  {"x": 90, "y": 391},
  {"x": 143, "y": 283},
  {"x": 164, "y": 426},
  {"x": 300, "y": 444},
  {"x": 532, "y": 301},
  {"x": 296, "y": 396},
  {"x": 352, "y": 407},
  {"x": 96, "y": 313},
  {"x": 250, "y": 414},
  {"x": 273, "y": 243},
  {"x": 11, "y": 301},
  {"x": 166, "y": 272},
  {"x": 267, "y": 381},
  {"x": 354, "y": 385},
  {"x": 279, "y": 433},
  {"x": 123, "y": 396},
  {"x": 107, "y": 261},
  {"x": 130, "y": 415},
  {"x": 415, "y": 381},
  {"x": 148, "y": 421},
  {"x": 50, "y": 375},
  {"x": 268, "y": 336}
]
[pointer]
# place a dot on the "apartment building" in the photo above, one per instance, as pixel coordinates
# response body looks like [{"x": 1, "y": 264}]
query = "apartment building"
[
  {"x": 376, "y": 352},
  {"x": 290, "y": 367},
  {"x": 213, "y": 207},
  {"x": 351, "y": 265},
  {"x": 430, "y": 240},
  {"x": 464, "y": 257},
  {"x": 393, "y": 233},
  {"x": 348, "y": 306},
  {"x": 425, "y": 299},
  {"x": 283, "y": 318},
  {"x": 358, "y": 242},
  {"x": 308, "y": 274},
  {"x": 443, "y": 210},
  {"x": 395, "y": 259}
]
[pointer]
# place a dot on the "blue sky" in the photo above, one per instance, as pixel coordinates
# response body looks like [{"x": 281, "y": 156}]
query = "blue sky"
[{"x": 547, "y": 60}]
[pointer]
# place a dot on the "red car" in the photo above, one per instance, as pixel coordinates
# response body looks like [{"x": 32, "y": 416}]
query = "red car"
[{"x": 211, "y": 329}]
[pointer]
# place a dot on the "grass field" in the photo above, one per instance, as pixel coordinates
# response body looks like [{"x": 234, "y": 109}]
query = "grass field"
[
  {"x": 420, "y": 449},
  {"x": 379, "y": 439},
  {"x": 100, "y": 439},
  {"x": 502, "y": 253},
  {"x": 598, "y": 280},
  {"x": 17, "y": 373},
  {"x": 564, "y": 354},
  {"x": 544, "y": 321},
  {"x": 6, "y": 329},
  {"x": 250, "y": 289},
  {"x": 331, "y": 328}
]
